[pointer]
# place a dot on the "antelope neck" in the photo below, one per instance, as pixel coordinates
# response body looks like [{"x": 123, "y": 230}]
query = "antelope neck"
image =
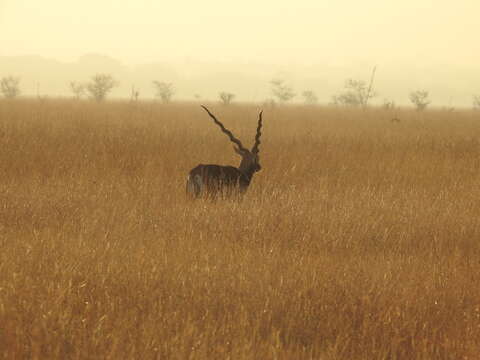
[{"x": 247, "y": 171}]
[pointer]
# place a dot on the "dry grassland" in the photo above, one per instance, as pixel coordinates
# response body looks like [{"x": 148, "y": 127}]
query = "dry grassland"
[{"x": 359, "y": 239}]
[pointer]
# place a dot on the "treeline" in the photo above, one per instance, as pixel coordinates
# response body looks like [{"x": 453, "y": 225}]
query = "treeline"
[{"x": 356, "y": 93}]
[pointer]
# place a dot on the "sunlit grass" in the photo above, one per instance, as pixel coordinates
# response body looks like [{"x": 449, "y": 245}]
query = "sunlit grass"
[{"x": 357, "y": 240}]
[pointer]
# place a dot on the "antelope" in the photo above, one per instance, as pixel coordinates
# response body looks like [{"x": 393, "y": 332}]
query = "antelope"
[{"x": 218, "y": 180}]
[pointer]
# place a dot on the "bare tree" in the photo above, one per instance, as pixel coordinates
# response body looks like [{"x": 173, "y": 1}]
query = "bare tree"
[
  {"x": 226, "y": 98},
  {"x": 78, "y": 89},
  {"x": 370, "y": 88},
  {"x": 282, "y": 91},
  {"x": 100, "y": 85},
  {"x": 10, "y": 86},
  {"x": 476, "y": 102},
  {"x": 420, "y": 99},
  {"x": 388, "y": 104},
  {"x": 134, "y": 94},
  {"x": 356, "y": 93},
  {"x": 269, "y": 103},
  {"x": 164, "y": 91},
  {"x": 310, "y": 97}
]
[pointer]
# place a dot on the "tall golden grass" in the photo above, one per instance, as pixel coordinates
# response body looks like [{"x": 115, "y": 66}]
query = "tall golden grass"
[{"x": 359, "y": 239}]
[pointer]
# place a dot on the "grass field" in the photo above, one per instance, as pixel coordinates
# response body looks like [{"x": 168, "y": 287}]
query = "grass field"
[{"x": 359, "y": 239}]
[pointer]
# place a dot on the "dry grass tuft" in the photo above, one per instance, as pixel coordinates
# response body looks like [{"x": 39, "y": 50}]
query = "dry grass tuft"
[{"x": 359, "y": 239}]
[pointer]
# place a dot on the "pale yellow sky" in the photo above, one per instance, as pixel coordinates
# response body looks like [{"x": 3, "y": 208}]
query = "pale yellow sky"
[{"x": 423, "y": 32}]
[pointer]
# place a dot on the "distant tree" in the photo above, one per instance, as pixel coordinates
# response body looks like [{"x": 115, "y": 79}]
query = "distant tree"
[
  {"x": 226, "y": 98},
  {"x": 100, "y": 85},
  {"x": 310, "y": 97},
  {"x": 356, "y": 94},
  {"x": 164, "y": 91},
  {"x": 134, "y": 94},
  {"x": 420, "y": 99},
  {"x": 282, "y": 91},
  {"x": 476, "y": 102},
  {"x": 270, "y": 103},
  {"x": 78, "y": 89},
  {"x": 388, "y": 104},
  {"x": 10, "y": 87}
]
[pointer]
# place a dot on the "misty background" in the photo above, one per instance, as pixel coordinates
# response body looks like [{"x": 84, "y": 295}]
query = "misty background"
[{"x": 211, "y": 46}]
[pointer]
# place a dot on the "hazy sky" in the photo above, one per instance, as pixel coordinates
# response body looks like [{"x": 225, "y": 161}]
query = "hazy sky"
[{"x": 424, "y": 32}]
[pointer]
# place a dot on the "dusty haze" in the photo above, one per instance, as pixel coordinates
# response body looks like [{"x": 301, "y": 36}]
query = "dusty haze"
[{"x": 204, "y": 47}]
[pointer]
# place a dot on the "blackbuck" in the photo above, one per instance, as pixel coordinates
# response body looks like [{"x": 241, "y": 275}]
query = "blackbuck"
[{"x": 214, "y": 181}]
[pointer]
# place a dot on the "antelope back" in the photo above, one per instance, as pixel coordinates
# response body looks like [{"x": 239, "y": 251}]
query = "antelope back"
[{"x": 215, "y": 180}]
